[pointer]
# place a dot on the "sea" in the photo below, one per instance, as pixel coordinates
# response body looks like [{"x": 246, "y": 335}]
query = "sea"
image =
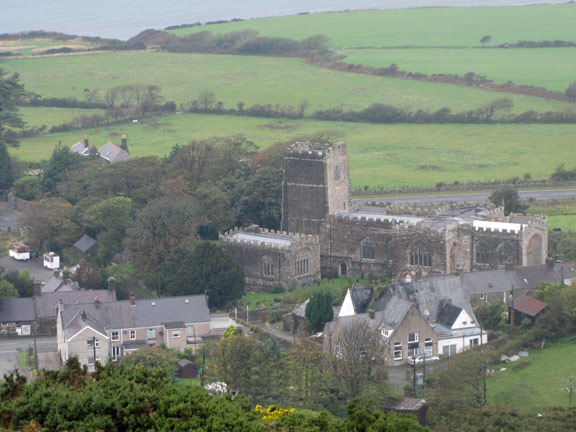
[{"x": 123, "y": 19}]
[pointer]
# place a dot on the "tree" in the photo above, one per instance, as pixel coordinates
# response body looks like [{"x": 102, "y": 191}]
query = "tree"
[
  {"x": 202, "y": 268},
  {"x": 154, "y": 357},
  {"x": 262, "y": 201},
  {"x": 22, "y": 282},
  {"x": 7, "y": 290},
  {"x": 49, "y": 224},
  {"x": 509, "y": 199},
  {"x": 319, "y": 310},
  {"x": 485, "y": 39},
  {"x": 57, "y": 168},
  {"x": 11, "y": 91},
  {"x": 571, "y": 91},
  {"x": 490, "y": 314},
  {"x": 492, "y": 107}
]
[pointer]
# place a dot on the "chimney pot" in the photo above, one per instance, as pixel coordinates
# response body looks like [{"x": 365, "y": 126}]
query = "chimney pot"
[
  {"x": 132, "y": 299},
  {"x": 84, "y": 316},
  {"x": 86, "y": 141},
  {"x": 97, "y": 301}
]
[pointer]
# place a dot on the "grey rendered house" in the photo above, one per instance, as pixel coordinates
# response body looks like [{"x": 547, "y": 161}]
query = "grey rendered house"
[{"x": 98, "y": 331}]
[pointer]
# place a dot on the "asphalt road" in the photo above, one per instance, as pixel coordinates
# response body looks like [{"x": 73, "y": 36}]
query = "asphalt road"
[
  {"x": 10, "y": 348},
  {"x": 448, "y": 198}
]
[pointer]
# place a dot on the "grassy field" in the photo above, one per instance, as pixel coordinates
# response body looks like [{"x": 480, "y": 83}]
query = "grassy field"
[
  {"x": 541, "y": 67},
  {"x": 29, "y": 47},
  {"x": 539, "y": 381},
  {"x": 380, "y": 155},
  {"x": 419, "y": 27},
  {"x": 38, "y": 116},
  {"x": 250, "y": 79},
  {"x": 560, "y": 215}
]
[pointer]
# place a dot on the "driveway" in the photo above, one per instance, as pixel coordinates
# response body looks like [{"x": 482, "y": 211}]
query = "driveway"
[{"x": 34, "y": 266}]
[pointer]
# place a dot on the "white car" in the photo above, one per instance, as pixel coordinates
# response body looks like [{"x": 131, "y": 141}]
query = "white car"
[{"x": 420, "y": 359}]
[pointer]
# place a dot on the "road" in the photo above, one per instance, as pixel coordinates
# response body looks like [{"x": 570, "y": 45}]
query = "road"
[
  {"x": 10, "y": 348},
  {"x": 440, "y": 199}
]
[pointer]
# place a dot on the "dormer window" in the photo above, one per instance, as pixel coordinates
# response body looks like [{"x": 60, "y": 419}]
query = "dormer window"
[{"x": 385, "y": 332}]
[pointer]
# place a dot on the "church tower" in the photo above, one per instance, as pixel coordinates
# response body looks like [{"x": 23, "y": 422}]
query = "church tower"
[{"x": 316, "y": 184}]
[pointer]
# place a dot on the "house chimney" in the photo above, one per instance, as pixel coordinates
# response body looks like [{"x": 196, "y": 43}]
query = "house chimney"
[
  {"x": 60, "y": 305},
  {"x": 37, "y": 288},
  {"x": 56, "y": 273},
  {"x": 86, "y": 141},
  {"x": 97, "y": 302},
  {"x": 124, "y": 143},
  {"x": 111, "y": 284},
  {"x": 371, "y": 313},
  {"x": 132, "y": 299},
  {"x": 84, "y": 316}
]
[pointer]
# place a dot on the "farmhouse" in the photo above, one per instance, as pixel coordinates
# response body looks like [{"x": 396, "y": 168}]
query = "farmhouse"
[
  {"x": 109, "y": 152},
  {"x": 407, "y": 243}
]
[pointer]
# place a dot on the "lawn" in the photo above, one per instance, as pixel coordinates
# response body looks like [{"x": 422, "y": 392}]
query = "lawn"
[
  {"x": 535, "y": 382},
  {"x": 550, "y": 68},
  {"x": 249, "y": 79},
  {"x": 417, "y": 27},
  {"x": 380, "y": 155},
  {"x": 38, "y": 116}
]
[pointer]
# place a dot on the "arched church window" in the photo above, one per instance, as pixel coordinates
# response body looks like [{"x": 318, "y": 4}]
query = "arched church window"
[
  {"x": 482, "y": 253},
  {"x": 337, "y": 172},
  {"x": 368, "y": 249},
  {"x": 505, "y": 253},
  {"x": 534, "y": 252},
  {"x": 420, "y": 255}
]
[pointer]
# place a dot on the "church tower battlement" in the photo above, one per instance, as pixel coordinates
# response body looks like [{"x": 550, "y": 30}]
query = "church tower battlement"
[{"x": 316, "y": 184}]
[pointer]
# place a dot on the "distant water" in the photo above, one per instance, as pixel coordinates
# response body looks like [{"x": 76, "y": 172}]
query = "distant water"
[{"x": 125, "y": 18}]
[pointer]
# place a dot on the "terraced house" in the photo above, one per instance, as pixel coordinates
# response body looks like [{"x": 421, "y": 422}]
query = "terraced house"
[{"x": 98, "y": 331}]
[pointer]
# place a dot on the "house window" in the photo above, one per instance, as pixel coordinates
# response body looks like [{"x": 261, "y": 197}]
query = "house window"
[
  {"x": 368, "y": 249},
  {"x": 115, "y": 336},
  {"x": 420, "y": 255},
  {"x": 267, "y": 267},
  {"x": 482, "y": 253},
  {"x": 412, "y": 337},
  {"x": 91, "y": 360},
  {"x": 151, "y": 333},
  {"x": 132, "y": 334},
  {"x": 428, "y": 347},
  {"x": 397, "y": 350},
  {"x": 176, "y": 334},
  {"x": 474, "y": 342},
  {"x": 92, "y": 342},
  {"x": 482, "y": 296},
  {"x": 449, "y": 350},
  {"x": 302, "y": 267},
  {"x": 505, "y": 253}
]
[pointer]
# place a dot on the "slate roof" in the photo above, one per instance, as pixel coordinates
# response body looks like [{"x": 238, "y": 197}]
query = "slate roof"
[
  {"x": 47, "y": 303},
  {"x": 184, "y": 362},
  {"x": 427, "y": 293},
  {"x": 85, "y": 243},
  {"x": 528, "y": 305},
  {"x": 271, "y": 240},
  {"x": 77, "y": 324},
  {"x": 57, "y": 284},
  {"x": 490, "y": 281},
  {"x": 80, "y": 148},
  {"x": 448, "y": 314},
  {"x": 17, "y": 309},
  {"x": 145, "y": 313},
  {"x": 394, "y": 312},
  {"x": 531, "y": 277},
  {"x": 361, "y": 297},
  {"x": 113, "y": 153}
]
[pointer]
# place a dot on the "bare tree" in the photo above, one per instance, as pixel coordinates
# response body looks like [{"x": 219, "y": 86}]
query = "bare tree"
[
  {"x": 127, "y": 94},
  {"x": 207, "y": 99},
  {"x": 359, "y": 355},
  {"x": 111, "y": 96},
  {"x": 92, "y": 96},
  {"x": 302, "y": 107}
]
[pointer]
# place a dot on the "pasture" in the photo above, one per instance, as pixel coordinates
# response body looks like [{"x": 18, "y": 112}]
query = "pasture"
[
  {"x": 38, "y": 116},
  {"x": 543, "y": 67},
  {"x": 540, "y": 380},
  {"x": 380, "y": 155},
  {"x": 249, "y": 79},
  {"x": 416, "y": 27}
]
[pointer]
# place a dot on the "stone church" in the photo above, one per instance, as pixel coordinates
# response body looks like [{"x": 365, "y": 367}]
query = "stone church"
[{"x": 325, "y": 234}]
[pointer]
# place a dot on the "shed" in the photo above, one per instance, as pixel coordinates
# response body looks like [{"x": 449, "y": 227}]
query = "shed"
[
  {"x": 525, "y": 307},
  {"x": 86, "y": 245},
  {"x": 186, "y": 369},
  {"x": 417, "y": 407}
]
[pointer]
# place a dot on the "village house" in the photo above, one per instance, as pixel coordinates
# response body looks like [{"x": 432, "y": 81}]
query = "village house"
[
  {"x": 98, "y": 331},
  {"x": 17, "y": 317},
  {"x": 109, "y": 152}
]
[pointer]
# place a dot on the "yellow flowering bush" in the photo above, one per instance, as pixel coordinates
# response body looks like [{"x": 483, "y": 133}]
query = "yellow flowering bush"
[{"x": 272, "y": 413}]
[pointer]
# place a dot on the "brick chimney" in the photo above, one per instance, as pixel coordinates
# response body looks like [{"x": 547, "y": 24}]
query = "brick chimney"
[
  {"x": 124, "y": 143},
  {"x": 37, "y": 288},
  {"x": 97, "y": 302},
  {"x": 86, "y": 141},
  {"x": 132, "y": 299},
  {"x": 84, "y": 316}
]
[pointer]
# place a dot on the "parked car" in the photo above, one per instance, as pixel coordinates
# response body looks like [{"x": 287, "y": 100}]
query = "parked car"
[{"x": 420, "y": 359}]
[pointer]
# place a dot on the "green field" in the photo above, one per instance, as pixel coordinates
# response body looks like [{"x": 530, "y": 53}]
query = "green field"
[
  {"x": 380, "y": 155},
  {"x": 38, "y": 116},
  {"x": 249, "y": 79},
  {"x": 417, "y": 27},
  {"x": 544, "y": 67},
  {"x": 541, "y": 383}
]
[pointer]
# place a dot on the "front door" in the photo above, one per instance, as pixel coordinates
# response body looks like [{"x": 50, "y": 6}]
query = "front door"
[
  {"x": 115, "y": 353},
  {"x": 343, "y": 269}
]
